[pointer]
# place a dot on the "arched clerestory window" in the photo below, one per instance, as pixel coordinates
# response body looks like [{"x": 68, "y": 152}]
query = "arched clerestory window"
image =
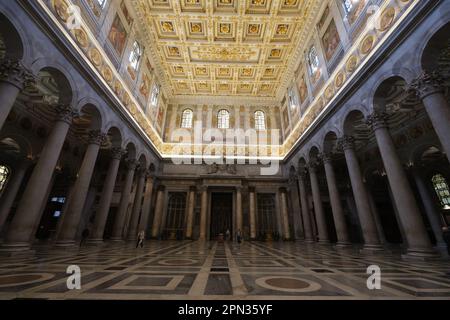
[
  {"x": 187, "y": 118},
  {"x": 260, "y": 120},
  {"x": 223, "y": 119},
  {"x": 135, "y": 56}
]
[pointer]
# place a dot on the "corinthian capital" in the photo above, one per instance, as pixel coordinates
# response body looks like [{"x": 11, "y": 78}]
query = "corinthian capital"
[
  {"x": 96, "y": 137},
  {"x": 427, "y": 84},
  {"x": 13, "y": 72},
  {"x": 117, "y": 153},
  {"x": 346, "y": 143},
  {"x": 327, "y": 157},
  {"x": 132, "y": 164},
  {"x": 65, "y": 113},
  {"x": 377, "y": 120}
]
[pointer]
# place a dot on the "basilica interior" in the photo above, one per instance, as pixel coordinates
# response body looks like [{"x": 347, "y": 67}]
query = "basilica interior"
[{"x": 214, "y": 149}]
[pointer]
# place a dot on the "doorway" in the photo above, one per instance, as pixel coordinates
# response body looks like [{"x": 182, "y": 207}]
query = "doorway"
[{"x": 221, "y": 214}]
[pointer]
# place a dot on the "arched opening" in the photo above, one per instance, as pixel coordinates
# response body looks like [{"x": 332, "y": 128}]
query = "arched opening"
[{"x": 11, "y": 45}]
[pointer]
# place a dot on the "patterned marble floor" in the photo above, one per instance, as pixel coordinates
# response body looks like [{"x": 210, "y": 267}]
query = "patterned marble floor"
[{"x": 194, "y": 270}]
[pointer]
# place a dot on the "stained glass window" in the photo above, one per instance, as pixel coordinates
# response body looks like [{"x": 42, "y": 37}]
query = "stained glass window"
[
  {"x": 4, "y": 175},
  {"x": 442, "y": 190},
  {"x": 223, "y": 119},
  {"x": 186, "y": 119},
  {"x": 260, "y": 120}
]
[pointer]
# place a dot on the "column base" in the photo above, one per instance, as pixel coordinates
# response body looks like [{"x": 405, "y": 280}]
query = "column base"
[
  {"x": 343, "y": 245},
  {"x": 14, "y": 249},
  {"x": 324, "y": 242},
  {"x": 95, "y": 242},
  {"x": 421, "y": 255},
  {"x": 116, "y": 239},
  {"x": 372, "y": 249},
  {"x": 308, "y": 241},
  {"x": 65, "y": 244}
]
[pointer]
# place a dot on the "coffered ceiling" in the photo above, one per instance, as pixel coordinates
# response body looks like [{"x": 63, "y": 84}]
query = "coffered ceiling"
[{"x": 225, "y": 47}]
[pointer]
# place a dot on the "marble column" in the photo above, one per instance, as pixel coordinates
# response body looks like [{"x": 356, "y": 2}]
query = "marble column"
[
  {"x": 305, "y": 208},
  {"x": 12, "y": 188},
  {"x": 121, "y": 215},
  {"x": 203, "y": 213},
  {"x": 430, "y": 208},
  {"x": 239, "y": 218},
  {"x": 190, "y": 212},
  {"x": 409, "y": 215},
  {"x": 284, "y": 214},
  {"x": 20, "y": 232},
  {"x": 84, "y": 177},
  {"x": 318, "y": 207},
  {"x": 105, "y": 199},
  {"x": 376, "y": 216},
  {"x": 146, "y": 206},
  {"x": 336, "y": 204},
  {"x": 252, "y": 209},
  {"x": 368, "y": 225},
  {"x": 137, "y": 206},
  {"x": 430, "y": 88},
  {"x": 14, "y": 77},
  {"x": 159, "y": 207}
]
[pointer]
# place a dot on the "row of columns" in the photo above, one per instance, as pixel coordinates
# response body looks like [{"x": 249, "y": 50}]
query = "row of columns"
[
  {"x": 159, "y": 208},
  {"x": 410, "y": 220}
]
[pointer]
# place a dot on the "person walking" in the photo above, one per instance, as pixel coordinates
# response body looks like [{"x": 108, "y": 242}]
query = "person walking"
[
  {"x": 227, "y": 235},
  {"x": 239, "y": 236},
  {"x": 140, "y": 239}
]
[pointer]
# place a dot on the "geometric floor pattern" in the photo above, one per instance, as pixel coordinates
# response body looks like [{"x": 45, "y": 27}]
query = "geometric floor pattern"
[{"x": 212, "y": 270}]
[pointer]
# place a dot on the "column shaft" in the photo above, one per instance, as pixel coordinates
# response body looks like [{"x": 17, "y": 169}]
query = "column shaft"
[
  {"x": 318, "y": 207},
  {"x": 158, "y": 213},
  {"x": 121, "y": 214},
  {"x": 252, "y": 203},
  {"x": 239, "y": 219},
  {"x": 81, "y": 188},
  {"x": 28, "y": 213},
  {"x": 203, "y": 214},
  {"x": 137, "y": 206},
  {"x": 190, "y": 213},
  {"x": 409, "y": 214},
  {"x": 336, "y": 205},
  {"x": 284, "y": 215},
  {"x": 143, "y": 224},
  {"x": 105, "y": 200},
  {"x": 368, "y": 225},
  {"x": 305, "y": 209}
]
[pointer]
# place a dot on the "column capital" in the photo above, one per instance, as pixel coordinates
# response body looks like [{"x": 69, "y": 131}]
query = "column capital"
[
  {"x": 239, "y": 188},
  {"x": 14, "y": 72},
  {"x": 326, "y": 157},
  {"x": 346, "y": 143},
  {"x": 65, "y": 113},
  {"x": 302, "y": 174},
  {"x": 203, "y": 188},
  {"x": 313, "y": 166},
  {"x": 192, "y": 189},
  {"x": 141, "y": 171},
  {"x": 377, "y": 120},
  {"x": 131, "y": 164},
  {"x": 427, "y": 84},
  {"x": 96, "y": 137},
  {"x": 117, "y": 153}
]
